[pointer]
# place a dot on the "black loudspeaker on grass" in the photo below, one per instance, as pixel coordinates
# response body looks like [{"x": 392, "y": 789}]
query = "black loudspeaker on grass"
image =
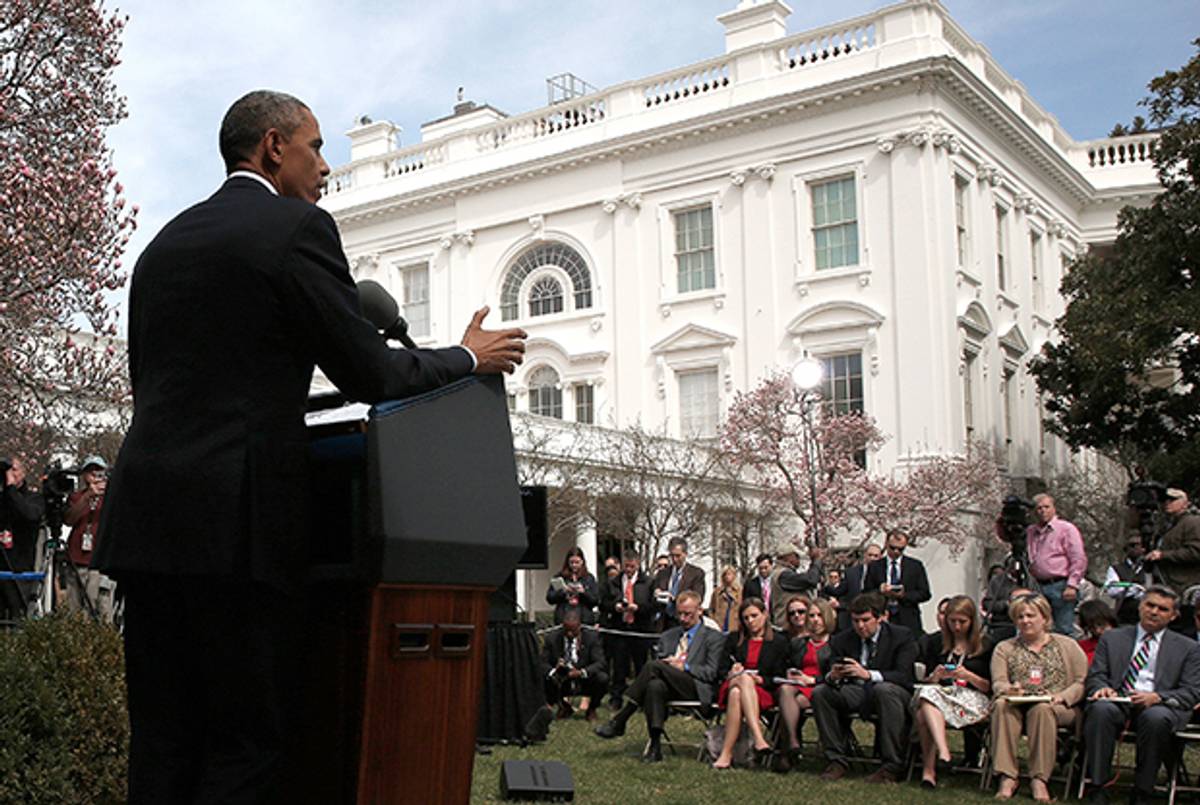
[{"x": 536, "y": 780}]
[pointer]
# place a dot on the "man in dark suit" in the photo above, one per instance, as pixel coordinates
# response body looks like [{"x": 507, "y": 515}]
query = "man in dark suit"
[
  {"x": 21, "y": 510},
  {"x": 1158, "y": 670},
  {"x": 204, "y": 523},
  {"x": 868, "y": 671},
  {"x": 851, "y": 586},
  {"x": 760, "y": 582},
  {"x": 625, "y": 601},
  {"x": 686, "y": 668},
  {"x": 573, "y": 665},
  {"x": 678, "y": 577},
  {"x": 902, "y": 581}
]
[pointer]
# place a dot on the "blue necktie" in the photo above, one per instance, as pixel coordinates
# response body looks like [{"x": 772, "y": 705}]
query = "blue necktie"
[{"x": 895, "y": 582}]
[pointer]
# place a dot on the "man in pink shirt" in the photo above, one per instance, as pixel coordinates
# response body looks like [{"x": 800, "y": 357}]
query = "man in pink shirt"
[{"x": 1057, "y": 562}]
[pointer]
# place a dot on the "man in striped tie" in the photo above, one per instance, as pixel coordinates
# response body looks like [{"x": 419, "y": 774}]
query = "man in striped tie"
[{"x": 1146, "y": 678}]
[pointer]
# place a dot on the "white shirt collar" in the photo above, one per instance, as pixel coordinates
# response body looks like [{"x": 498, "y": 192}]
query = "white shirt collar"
[{"x": 256, "y": 177}]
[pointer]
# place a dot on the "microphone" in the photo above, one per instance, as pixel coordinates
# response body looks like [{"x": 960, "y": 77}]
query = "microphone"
[{"x": 379, "y": 308}]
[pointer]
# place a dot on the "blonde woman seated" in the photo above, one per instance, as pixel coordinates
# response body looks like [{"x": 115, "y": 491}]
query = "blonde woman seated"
[
  {"x": 806, "y": 652},
  {"x": 1035, "y": 663},
  {"x": 753, "y": 657},
  {"x": 725, "y": 601},
  {"x": 957, "y": 683}
]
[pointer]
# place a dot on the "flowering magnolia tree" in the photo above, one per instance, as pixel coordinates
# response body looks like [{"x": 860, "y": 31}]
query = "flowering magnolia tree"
[
  {"x": 63, "y": 223},
  {"x": 769, "y": 433}
]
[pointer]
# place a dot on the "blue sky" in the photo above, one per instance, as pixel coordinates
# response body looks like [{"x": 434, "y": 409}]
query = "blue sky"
[{"x": 1086, "y": 62}]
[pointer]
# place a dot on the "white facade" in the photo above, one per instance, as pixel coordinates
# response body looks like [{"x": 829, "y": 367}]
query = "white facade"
[{"x": 877, "y": 193}]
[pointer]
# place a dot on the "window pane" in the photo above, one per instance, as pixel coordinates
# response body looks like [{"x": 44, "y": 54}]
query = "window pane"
[
  {"x": 835, "y": 224},
  {"x": 584, "y": 405},
  {"x": 694, "y": 258},
  {"x": 698, "y": 404},
  {"x": 415, "y": 282},
  {"x": 545, "y": 398}
]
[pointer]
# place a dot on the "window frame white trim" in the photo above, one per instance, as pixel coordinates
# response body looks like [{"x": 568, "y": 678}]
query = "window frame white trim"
[
  {"x": 805, "y": 258},
  {"x": 668, "y": 282}
]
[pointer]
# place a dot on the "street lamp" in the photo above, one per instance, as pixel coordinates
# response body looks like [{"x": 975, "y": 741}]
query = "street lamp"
[{"x": 807, "y": 375}]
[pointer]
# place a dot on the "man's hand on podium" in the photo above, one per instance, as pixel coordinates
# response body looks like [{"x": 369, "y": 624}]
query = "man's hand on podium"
[{"x": 495, "y": 351}]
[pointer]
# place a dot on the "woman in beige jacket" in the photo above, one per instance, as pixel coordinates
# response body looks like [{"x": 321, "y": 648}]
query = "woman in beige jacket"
[{"x": 1037, "y": 683}]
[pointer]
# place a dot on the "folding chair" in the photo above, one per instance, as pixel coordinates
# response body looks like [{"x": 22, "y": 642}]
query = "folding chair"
[
  {"x": 1175, "y": 766},
  {"x": 973, "y": 765},
  {"x": 1066, "y": 762},
  {"x": 706, "y": 714}
]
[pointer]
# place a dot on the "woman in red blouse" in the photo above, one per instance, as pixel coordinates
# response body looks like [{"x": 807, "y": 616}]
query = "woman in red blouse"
[
  {"x": 804, "y": 668},
  {"x": 753, "y": 658}
]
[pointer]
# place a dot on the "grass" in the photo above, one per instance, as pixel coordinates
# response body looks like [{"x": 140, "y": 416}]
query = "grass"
[{"x": 610, "y": 773}]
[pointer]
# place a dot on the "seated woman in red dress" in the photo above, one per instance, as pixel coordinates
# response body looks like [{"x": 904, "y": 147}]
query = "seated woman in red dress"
[
  {"x": 753, "y": 657},
  {"x": 804, "y": 669}
]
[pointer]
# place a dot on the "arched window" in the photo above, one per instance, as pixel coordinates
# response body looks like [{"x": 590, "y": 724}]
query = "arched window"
[
  {"x": 545, "y": 296},
  {"x": 545, "y": 394},
  {"x": 542, "y": 255}
]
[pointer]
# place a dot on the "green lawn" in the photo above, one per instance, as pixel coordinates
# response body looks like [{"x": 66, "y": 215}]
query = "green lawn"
[{"x": 610, "y": 773}]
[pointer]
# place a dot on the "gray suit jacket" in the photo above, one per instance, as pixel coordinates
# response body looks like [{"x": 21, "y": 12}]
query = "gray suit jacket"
[
  {"x": 1176, "y": 670},
  {"x": 703, "y": 657}
]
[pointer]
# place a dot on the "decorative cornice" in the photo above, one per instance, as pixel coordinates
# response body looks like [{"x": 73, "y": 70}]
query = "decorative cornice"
[
  {"x": 918, "y": 138},
  {"x": 631, "y": 200},
  {"x": 990, "y": 174},
  {"x": 538, "y": 224},
  {"x": 466, "y": 237},
  {"x": 1026, "y": 204}
]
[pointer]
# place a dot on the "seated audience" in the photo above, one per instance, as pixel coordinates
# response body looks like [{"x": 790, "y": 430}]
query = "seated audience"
[
  {"x": 1035, "y": 663},
  {"x": 957, "y": 683},
  {"x": 796, "y": 616},
  {"x": 576, "y": 588},
  {"x": 933, "y": 640},
  {"x": 1095, "y": 618},
  {"x": 687, "y": 666},
  {"x": 750, "y": 663},
  {"x": 1144, "y": 678},
  {"x": 807, "y": 651},
  {"x": 869, "y": 671},
  {"x": 573, "y": 664},
  {"x": 726, "y": 599}
]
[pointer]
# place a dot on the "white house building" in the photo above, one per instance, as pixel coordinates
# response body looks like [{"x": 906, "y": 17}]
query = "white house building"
[{"x": 879, "y": 194}]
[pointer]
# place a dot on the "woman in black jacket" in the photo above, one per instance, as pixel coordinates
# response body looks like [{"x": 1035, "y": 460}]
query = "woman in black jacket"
[
  {"x": 752, "y": 660},
  {"x": 574, "y": 586}
]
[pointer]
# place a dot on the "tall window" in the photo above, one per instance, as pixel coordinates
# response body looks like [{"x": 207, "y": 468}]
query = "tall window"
[
  {"x": 698, "y": 404},
  {"x": 960, "y": 219},
  {"x": 835, "y": 223},
  {"x": 842, "y": 384},
  {"x": 416, "y": 299},
  {"x": 549, "y": 253},
  {"x": 545, "y": 296},
  {"x": 695, "y": 263},
  {"x": 968, "y": 390},
  {"x": 1035, "y": 268},
  {"x": 1001, "y": 247},
  {"x": 1007, "y": 392},
  {"x": 585, "y": 408},
  {"x": 545, "y": 394}
]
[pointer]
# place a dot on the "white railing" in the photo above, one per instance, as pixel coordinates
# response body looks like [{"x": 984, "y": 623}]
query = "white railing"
[
  {"x": 413, "y": 159},
  {"x": 1114, "y": 151},
  {"x": 689, "y": 83},
  {"x": 340, "y": 180},
  {"x": 543, "y": 123},
  {"x": 827, "y": 43}
]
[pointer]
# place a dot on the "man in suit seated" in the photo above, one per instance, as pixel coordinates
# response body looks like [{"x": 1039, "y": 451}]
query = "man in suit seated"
[
  {"x": 573, "y": 664},
  {"x": 686, "y": 668},
  {"x": 675, "y": 578},
  {"x": 1158, "y": 671},
  {"x": 868, "y": 671},
  {"x": 902, "y": 581}
]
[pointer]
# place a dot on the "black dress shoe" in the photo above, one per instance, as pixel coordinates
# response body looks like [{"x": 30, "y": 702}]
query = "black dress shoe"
[
  {"x": 539, "y": 725},
  {"x": 1097, "y": 796},
  {"x": 653, "y": 754},
  {"x": 610, "y": 729}
]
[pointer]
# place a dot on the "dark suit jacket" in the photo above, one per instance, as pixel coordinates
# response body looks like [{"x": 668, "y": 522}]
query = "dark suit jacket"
[
  {"x": 704, "y": 656},
  {"x": 850, "y": 587},
  {"x": 692, "y": 579},
  {"x": 591, "y": 652},
  {"x": 1176, "y": 669},
  {"x": 231, "y": 305},
  {"x": 772, "y": 658},
  {"x": 753, "y": 588},
  {"x": 916, "y": 589},
  {"x": 613, "y": 591},
  {"x": 894, "y": 655},
  {"x": 587, "y": 600}
]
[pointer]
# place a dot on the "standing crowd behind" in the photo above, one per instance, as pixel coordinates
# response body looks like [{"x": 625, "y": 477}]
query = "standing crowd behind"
[{"x": 1039, "y": 655}]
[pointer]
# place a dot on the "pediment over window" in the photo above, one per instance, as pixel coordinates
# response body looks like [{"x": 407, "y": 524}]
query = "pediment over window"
[
  {"x": 1013, "y": 341},
  {"x": 835, "y": 316},
  {"x": 693, "y": 336},
  {"x": 976, "y": 321}
]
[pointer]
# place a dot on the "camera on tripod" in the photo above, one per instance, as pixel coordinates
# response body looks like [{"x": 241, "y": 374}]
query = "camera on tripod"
[
  {"x": 1146, "y": 499},
  {"x": 1013, "y": 524}
]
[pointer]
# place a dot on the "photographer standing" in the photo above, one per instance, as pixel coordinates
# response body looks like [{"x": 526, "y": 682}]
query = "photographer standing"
[
  {"x": 1057, "y": 561},
  {"x": 86, "y": 589},
  {"x": 21, "y": 510},
  {"x": 1176, "y": 557}
]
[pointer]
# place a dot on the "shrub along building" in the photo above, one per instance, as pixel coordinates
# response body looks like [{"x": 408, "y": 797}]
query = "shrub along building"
[{"x": 878, "y": 194}]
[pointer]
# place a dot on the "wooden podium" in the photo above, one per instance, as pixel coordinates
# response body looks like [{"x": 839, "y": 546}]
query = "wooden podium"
[{"x": 417, "y": 519}]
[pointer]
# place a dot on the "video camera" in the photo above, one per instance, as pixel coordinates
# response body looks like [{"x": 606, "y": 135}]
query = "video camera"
[
  {"x": 57, "y": 483},
  {"x": 1014, "y": 520},
  {"x": 1146, "y": 498}
]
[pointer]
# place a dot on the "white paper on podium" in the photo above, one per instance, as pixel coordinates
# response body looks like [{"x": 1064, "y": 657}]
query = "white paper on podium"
[{"x": 354, "y": 412}]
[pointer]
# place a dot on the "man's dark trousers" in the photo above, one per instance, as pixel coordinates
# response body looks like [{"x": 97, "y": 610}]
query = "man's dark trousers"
[
  {"x": 1153, "y": 727},
  {"x": 657, "y": 684},
  {"x": 210, "y": 665},
  {"x": 627, "y": 651},
  {"x": 833, "y": 706}
]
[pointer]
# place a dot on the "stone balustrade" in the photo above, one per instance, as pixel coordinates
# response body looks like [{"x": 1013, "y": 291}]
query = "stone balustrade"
[
  {"x": 823, "y": 44},
  {"x": 1117, "y": 151}
]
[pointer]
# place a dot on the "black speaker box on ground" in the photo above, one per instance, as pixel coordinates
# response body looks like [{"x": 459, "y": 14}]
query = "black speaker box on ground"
[{"x": 539, "y": 780}]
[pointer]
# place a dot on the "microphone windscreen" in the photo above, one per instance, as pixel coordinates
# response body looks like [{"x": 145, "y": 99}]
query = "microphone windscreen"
[{"x": 378, "y": 306}]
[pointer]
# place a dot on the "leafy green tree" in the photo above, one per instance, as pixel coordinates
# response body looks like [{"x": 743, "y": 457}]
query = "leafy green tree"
[{"x": 1124, "y": 376}]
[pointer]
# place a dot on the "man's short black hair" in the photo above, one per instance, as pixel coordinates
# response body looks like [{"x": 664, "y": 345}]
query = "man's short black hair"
[
  {"x": 631, "y": 555},
  {"x": 868, "y": 602},
  {"x": 251, "y": 116},
  {"x": 763, "y": 557},
  {"x": 572, "y": 613},
  {"x": 677, "y": 542}
]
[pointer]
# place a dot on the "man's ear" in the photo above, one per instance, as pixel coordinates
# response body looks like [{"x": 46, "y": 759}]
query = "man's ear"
[{"x": 272, "y": 143}]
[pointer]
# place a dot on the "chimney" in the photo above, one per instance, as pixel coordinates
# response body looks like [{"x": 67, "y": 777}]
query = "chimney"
[
  {"x": 371, "y": 138},
  {"x": 754, "y": 22}
]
